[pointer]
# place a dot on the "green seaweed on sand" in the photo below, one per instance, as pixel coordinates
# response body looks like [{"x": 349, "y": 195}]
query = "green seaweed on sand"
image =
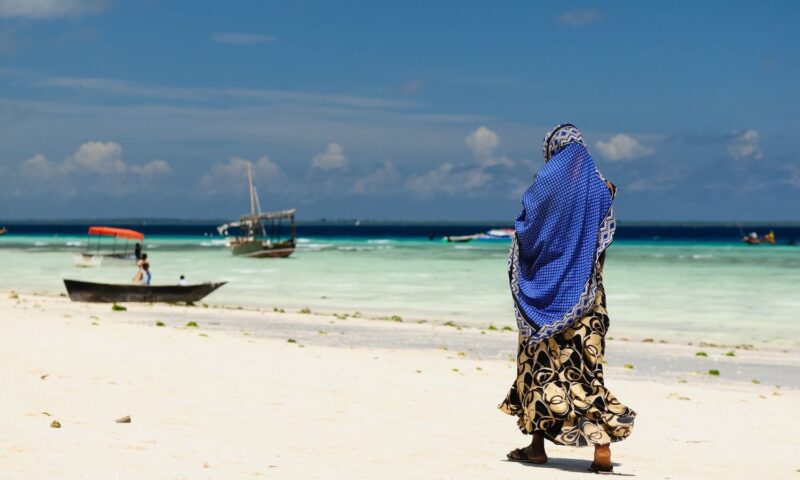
[
  {"x": 507, "y": 329},
  {"x": 462, "y": 354},
  {"x": 701, "y": 354},
  {"x": 357, "y": 315},
  {"x": 491, "y": 328},
  {"x": 450, "y": 323},
  {"x": 755, "y": 382},
  {"x": 322, "y": 332},
  {"x": 202, "y": 334},
  {"x": 118, "y": 308},
  {"x": 304, "y": 310},
  {"x": 341, "y": 316},
  {"x": 730, "y": 354},
  {"x": 192, "y": 324},
  {"x": 278, "y": 310},
  {"x": 55, "y": 424},
  {"x": 13, "y": 295},
  {"x": 395, "y": 318},
  {"x": 714, "y": 372},
  {"x": 291, "y": 340},
  {"x": 160, "y": 324},
  {"x": 628, "y": 366}
]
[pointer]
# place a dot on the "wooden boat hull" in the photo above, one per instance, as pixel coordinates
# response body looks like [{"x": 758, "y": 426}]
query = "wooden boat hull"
[
  {"x": 108, "y": 293},
  {"x": 259, "y": 249}
]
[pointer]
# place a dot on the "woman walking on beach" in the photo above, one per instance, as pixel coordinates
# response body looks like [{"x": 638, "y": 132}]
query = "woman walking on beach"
[{"x": 555, "y": 272}]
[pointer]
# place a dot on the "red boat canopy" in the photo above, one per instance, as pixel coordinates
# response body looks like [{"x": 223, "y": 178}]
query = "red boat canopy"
[{"x": 116, "y": 233}]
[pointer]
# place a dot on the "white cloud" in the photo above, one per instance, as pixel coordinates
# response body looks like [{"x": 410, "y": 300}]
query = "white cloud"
[
  {"x": 231, "y": 176},
  {"x": 151, "y": 169},
  {"x": 39, "y": 168},
  {"x": 111, "y": 86},
  {"x": 745, "y": 145},
  {"x": 49, "y": 8},
  {"x": 332, "y": 158},
  {"x": 235, "y": 38},
  {"x": 580, "y": 17},
  {"x": 623, "y": 147},
  {"x": 483, "y": 142},
  {"x": 378, "y": 180},
  {"x": 93, "y": 167},
  {"x": 448, "y": 179},
  {"x": 794, "y": 175},
  {"x": 99, "y": 157},
  {"x": 469, "y": 178}
]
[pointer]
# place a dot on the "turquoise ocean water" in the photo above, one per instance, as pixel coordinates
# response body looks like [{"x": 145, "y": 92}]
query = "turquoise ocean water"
[{"x": 679, "y": 291}]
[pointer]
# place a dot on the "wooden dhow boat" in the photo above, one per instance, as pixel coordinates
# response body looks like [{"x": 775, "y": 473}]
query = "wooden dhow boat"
[
  {"x": 262, "y": 234},
  {"x": 80, "y": 291}
]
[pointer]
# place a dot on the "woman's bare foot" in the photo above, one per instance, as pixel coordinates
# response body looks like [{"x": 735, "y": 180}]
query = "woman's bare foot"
[
  {"x": 533, "y": 453},
  {"x": 602, "y": 459}
]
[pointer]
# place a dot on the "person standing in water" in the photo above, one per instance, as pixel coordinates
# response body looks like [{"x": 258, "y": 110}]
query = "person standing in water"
[
  {"x": 142, "y": 276},
  {"x": 555, "y": 273}
]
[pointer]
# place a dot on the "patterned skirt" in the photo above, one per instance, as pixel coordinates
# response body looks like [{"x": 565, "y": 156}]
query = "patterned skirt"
[{"x": 559, "y": 390}]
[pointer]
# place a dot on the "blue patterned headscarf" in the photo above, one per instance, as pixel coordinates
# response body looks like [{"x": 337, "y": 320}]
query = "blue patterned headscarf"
[{"x": 566, "y": 223}]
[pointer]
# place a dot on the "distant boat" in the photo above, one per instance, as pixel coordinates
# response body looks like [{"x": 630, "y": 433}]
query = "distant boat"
[
  {"x": 107, "y": 292},
  {"x": 497, "y": 234},
  {"x": 260, "y": 233},
  {"x": 105, "y": 254},
  {"x": 3, "y": 230},
  {"x": 460, "y": 238},
  {"x": 493, "y": 234}
]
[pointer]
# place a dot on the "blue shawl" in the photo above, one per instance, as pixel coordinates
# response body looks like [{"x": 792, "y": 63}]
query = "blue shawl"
[{"x": 566, "y": 223}]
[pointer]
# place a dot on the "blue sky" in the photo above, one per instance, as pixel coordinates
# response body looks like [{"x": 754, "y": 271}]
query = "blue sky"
[{"x": 402, "y": 110}]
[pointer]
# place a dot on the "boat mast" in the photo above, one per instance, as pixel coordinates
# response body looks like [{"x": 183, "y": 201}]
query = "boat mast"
[
  {"x": 255, "y": 204},
  {"x": 252, "y": 190}
]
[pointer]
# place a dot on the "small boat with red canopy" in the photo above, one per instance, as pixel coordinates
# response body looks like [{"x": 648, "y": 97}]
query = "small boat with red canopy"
[{"x": 121, "y": 250}]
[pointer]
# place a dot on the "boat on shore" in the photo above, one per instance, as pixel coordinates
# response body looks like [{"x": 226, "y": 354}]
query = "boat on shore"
[
  {"x": 119, "y": 254},
  {"x": 261, "y": 234},
  {"x": 80, "y": 291}
]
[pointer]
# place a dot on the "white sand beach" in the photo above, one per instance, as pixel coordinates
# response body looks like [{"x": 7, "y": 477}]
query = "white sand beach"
[{"x": 215, "y": 403}]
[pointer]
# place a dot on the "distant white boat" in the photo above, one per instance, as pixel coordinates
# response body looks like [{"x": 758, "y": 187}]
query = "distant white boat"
[
  {"x": 493, "y": 234},
  {"x": 500, "y": 233}
]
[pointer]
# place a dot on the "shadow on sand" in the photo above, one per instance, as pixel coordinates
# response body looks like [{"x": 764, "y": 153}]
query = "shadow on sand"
[{"x": 572, "y": 465}]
